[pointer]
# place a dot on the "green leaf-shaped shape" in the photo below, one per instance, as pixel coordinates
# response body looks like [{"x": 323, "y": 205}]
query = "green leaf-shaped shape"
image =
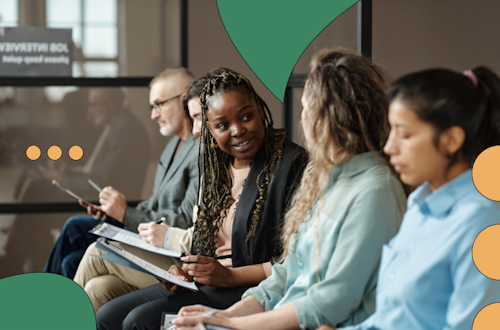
[{"x": 271, "y": 35}]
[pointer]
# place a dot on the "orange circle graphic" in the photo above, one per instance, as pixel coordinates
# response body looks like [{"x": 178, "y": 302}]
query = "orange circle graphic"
[
  {"x": 54, "y": 152},
  {"x": 486, "y": 173},
  {"x": 75, "y": 152},
  {"x": 33, "y": 152},
  {"x": 487, "y": 318},
  {"x": 486, "y": 252}
]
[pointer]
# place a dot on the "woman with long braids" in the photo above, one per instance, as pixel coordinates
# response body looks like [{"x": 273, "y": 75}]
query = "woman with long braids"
[
  {"x": 348, "y": 205},
  {"x": 105, "y": 280},
  {"x": 248, "y": 175}
]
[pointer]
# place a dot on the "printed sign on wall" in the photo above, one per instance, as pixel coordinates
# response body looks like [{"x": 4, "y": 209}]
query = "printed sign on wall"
[{"x": 35, "y": 51}]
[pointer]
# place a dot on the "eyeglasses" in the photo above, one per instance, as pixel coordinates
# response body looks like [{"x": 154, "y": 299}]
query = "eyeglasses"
[{"x": 156, "y": 106}]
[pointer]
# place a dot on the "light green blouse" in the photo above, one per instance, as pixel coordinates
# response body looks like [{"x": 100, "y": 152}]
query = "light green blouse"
[{"x": 330, "y": 273}]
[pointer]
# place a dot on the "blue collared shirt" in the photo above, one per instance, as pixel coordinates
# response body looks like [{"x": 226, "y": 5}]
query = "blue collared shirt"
[
  {"x": 427, "y": 277},
  {"x": 330, "y": 273}
]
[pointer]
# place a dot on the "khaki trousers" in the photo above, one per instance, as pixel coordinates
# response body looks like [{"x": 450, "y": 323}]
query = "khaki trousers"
[{"x": 103, "y": 280}]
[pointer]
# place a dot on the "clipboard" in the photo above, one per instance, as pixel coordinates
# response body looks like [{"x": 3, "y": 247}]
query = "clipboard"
[
  {"x": 109, "y": 231},
  {"x": 127, "y": 259}
]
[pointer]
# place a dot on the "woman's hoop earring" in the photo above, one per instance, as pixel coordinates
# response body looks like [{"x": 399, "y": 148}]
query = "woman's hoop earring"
[
  {"x": 214, "y": 143},
  {"x": 266, "y": 124}
]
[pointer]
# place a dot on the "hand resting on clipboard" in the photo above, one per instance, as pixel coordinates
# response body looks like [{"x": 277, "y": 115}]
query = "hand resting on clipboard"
[{"x": 92, "y": 209}]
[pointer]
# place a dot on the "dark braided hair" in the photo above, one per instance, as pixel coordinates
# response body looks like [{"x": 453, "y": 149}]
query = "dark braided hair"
[
  {"x": 216, "y": 195},
  {"x": 196, "y": 87}
]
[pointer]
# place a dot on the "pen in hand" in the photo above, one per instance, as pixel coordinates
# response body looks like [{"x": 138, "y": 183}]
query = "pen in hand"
[
  {"x": 92, "y": 183},
  {"x": 162, "y": 219},
  {"x": 227, "y": 256}
]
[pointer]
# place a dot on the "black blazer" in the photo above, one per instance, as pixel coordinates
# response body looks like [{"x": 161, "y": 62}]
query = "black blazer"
[{"x": 286, "y": 175}]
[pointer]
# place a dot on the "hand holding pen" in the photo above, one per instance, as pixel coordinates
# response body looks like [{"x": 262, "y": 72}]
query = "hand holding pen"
[
  {"x": 113, "y": 203},
  {"x": 154, "y": 232},
  {"x": 96, "y": 211},
  {"x": 204, "y": 270},
  {"x": 207, "y": 270}
]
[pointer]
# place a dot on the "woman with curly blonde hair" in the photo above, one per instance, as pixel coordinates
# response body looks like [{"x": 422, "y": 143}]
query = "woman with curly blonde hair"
[{"x": 348, "y": 206}]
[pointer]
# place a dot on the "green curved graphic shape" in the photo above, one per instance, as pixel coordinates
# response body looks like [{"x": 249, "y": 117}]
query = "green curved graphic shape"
[
  {"x": 44, "y": 301},
  {"x": 271, "y": 35}
]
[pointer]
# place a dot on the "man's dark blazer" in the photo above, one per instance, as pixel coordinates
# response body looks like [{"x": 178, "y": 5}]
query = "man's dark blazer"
[{"x": 175, "y": 187}]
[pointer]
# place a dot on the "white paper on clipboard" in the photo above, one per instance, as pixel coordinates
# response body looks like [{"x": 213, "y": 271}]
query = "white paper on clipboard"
[
  {"x": 127, "y": 259},
  {"x": 126, "y": 236}
]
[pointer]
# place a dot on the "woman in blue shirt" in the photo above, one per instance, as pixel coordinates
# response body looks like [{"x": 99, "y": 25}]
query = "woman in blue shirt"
[
  {"x": 348, "y": 205},
  {"x": 440, "y": 122}
]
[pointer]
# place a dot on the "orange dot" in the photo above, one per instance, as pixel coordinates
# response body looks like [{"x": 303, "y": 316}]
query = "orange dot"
[
  {"x": 486, "y": 173},
  {"x": 486, "y": 252},
  {"x": 487, "y": 318},
  {"x": 33, "y": 152},
  {"x": 75, "y": 152},
  {"x": 54, "y": 152}
]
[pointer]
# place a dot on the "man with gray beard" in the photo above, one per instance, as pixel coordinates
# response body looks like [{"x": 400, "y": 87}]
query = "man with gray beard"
[{"x": 174, "y": 192}]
